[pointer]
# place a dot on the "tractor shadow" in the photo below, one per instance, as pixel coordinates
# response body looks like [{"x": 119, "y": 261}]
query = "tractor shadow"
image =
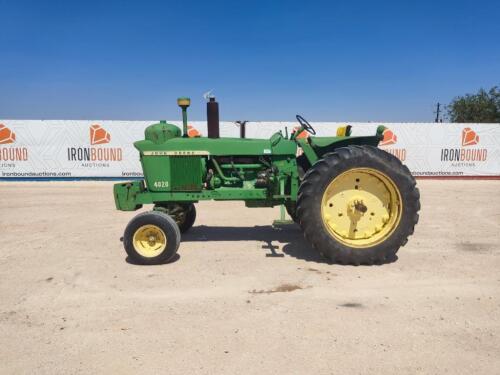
[
  {"x": 289, "y": 236},
  {"x": 174, "y": 259}
]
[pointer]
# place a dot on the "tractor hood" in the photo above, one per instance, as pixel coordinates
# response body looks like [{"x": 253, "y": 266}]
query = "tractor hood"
[{"x": 161, "y": 132}]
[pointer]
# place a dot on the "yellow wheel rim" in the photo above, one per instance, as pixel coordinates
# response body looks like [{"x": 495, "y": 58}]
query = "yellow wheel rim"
[
  {"x": 361, "y": 207},
  {"x": 149, "y": 241}
]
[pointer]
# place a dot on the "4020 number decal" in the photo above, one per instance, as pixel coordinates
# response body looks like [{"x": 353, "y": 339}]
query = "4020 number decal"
[{"x": 160, "y": 184}]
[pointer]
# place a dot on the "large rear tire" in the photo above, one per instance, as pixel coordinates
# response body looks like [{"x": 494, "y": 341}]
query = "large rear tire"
[
  {"x": 291, "y": 209},
  {"x": 358, "y": 205}
]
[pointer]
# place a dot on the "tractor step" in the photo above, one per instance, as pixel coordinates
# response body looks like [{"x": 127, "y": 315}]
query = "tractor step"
[
  {"x": 282, "y": 220},
  {"x": 278, "y": 223}
]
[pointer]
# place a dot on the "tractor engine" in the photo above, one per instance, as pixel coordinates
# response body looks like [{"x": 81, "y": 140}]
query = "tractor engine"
[
  {"x": 173, "y": 163},
  {"x": 240, "y": 172},
  {"x": 190, "y": 171}
]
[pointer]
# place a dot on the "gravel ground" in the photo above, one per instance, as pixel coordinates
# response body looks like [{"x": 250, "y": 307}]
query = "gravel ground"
[{"x": 71, "y": 303}]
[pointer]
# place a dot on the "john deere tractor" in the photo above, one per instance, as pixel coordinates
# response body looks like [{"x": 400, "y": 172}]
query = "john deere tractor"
[{"x": 355, "y": 203}]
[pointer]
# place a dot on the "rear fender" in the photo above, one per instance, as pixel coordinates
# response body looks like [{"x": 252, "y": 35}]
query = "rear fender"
[
  {"x": 315, "y": 147},
  {"x": 321, "y": 150}
]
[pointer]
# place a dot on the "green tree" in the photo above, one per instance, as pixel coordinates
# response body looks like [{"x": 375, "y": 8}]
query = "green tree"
[{"x": 481, "y": 107}]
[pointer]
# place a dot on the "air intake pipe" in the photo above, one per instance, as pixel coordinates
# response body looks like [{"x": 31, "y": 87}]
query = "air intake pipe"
[
  {"x": 242, "y": 125},
  {"x": 213, "y": 118}
]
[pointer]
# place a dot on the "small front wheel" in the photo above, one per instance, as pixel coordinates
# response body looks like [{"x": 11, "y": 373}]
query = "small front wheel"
[
  {"x": 187, "y": 220},
  {"x": 184, "y": 214},
  {"x": 151, "y": 238}
]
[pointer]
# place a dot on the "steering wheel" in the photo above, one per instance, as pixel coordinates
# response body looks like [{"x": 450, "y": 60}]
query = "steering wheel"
[{"x": 305, "y": 125}]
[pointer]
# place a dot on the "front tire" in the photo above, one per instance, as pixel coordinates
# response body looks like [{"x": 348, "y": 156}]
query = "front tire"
[
  {"x": 151, "y": 238},
  {"x": 189, "y": 218},
  {"x": 358, "y": 205},
  {"x": 184, "y": 214}
]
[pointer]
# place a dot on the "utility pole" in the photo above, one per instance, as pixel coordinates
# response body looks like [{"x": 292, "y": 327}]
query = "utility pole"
[{"x": 438, "y": 106}]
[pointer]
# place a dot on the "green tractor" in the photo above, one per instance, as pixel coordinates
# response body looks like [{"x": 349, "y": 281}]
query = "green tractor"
[{"x": 355, "y": 203}]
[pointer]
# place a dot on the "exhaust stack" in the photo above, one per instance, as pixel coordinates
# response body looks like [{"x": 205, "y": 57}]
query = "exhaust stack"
[{"x": 212, "y": 118}]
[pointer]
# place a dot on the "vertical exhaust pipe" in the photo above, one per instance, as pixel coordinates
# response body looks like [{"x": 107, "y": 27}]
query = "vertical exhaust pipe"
[
  {"x": 242, "y": 125},
  {"x": 213, "y": 118}
]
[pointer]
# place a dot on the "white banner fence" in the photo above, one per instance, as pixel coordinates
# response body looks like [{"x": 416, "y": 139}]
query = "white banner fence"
[{"x": 55, "y": 149}]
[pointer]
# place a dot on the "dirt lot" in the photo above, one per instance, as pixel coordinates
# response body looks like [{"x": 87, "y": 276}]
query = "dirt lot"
[{"x": 71, "y": 303}]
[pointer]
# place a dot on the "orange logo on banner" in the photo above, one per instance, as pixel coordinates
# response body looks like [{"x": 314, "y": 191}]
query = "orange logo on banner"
[
  {"x": 6, "y": 135},
  {"x": 98, "y": 135},
  {"x": 465, "y": 156},
  {"x": 389, "y": 138},
  {"x": 469, "y": 137},
  {"x": 193, "y": 132}
]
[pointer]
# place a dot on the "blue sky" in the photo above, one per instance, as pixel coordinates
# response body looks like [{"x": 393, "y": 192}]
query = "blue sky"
[{"x": 265, "y": 60}]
